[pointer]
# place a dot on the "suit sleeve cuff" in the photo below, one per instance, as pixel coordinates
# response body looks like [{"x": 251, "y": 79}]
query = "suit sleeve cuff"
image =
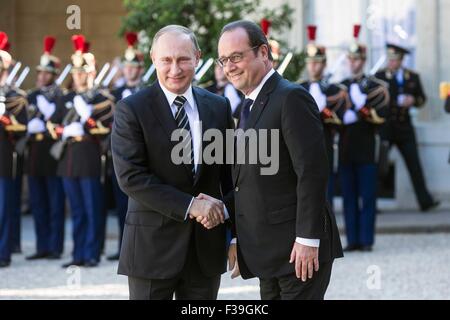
[
  {"x": 225, "y": 212},
  {"x": 308, "y": 242},
  {"x": 188, "y": 209}
]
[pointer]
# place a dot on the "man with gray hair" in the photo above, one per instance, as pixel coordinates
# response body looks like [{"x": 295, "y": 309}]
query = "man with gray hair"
[{"x": 164, "y": 250}]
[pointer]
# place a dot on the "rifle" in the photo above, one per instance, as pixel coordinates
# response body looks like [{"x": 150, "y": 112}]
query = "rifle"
[
  {"x": 149, "y": 73},
  {"x": 101, "y": 75},
  {"x": 201, "y": 72},
  {"x": 110, "y": 76},
  {"x": 57, "y": 150},
  {"x": 63, "y": 75},
  {"x": 22, "y": 77},
  {"x": 13, "y": 73},
  {"x": 285, "y": 63}
]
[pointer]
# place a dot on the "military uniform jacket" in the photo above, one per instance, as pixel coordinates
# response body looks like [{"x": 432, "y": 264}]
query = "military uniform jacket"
[
  {"x": 359, "y": 142},
  {"x": 39, "y": 162},
  {"x": 14, "y": 106},
  {"x": 82, "y": 155},
  {"x": 411, "y": 85},
  {"x": 337, "y": 101}
]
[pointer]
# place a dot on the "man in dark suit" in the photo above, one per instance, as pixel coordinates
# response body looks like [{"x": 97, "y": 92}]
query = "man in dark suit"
[
  {"x": 164, "y": 252},
  {"x": 283, "y": 225},
  {"x": 406, "y": 92}
]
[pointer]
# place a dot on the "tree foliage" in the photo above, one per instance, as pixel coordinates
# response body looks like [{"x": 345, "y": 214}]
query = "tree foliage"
[{"x": 206, "y": 18}]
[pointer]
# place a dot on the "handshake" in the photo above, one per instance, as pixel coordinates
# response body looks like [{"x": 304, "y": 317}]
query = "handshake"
[{"x": 207, "y": 210}]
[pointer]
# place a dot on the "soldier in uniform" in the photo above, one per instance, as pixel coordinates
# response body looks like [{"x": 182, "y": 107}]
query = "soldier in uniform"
[
  {"x": 133, "y": 67},
  {"x": 17, "y": 192},
  {"x": 46, "y": 191},
  {"x": 406, "y": 92},
  {"x": 86, "y": 121},
  {"x": 13, "y": 119},
  {"x": 332, "y": 100},
  {"x": 359, "y": 145}
]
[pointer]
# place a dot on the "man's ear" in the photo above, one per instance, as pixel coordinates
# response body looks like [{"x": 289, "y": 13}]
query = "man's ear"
[
  {"x": 264, "y": 51},
  {"x": 152, "y": 57}
]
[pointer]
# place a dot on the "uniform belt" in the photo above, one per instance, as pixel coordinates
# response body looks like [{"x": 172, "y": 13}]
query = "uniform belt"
[
  {"x": 37, "y": 137},
  {"x": 79, "y": 139}
]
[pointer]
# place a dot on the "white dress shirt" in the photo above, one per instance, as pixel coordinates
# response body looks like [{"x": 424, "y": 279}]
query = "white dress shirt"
[
  {"x": 195, "y": 125},
  {"x": 253, "y": 95}
]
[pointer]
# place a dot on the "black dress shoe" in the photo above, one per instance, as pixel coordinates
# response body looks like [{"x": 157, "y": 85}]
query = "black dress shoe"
[
  {"x": 366, "y": 248},
  {"x": 4, "y": 264},
  {"x": 430, "y": 206},
  {"x": 91, "y": 264},
  {"x": 54, "y": 256},
  {"x": 352, "y": 247},
  {"x": 73, "y": 263},
  {"x": 37, "y": 256},
  {"x": 114, "y": 257}
]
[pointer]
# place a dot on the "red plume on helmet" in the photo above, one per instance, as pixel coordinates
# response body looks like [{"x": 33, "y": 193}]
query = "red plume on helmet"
[
  {"x": 312, "y": 33},
  {"x": 356, "y": 31},
  {"x": 3, "y": 40},
  {"x": 78, "y": 42},
  {"x": 7, "y": 46},
  {"x": 265, "y": 26},
  {"x": 86, "y": 47},
  {"x": 49, "y": 43},
  {"x": 131, "y": 38}
]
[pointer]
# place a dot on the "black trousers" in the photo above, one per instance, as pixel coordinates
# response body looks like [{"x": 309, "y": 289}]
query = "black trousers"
[
  {"x": 190, "y": 284},
  {"x": 289, "y": 287},
  {"x": 404, "y": 138}
]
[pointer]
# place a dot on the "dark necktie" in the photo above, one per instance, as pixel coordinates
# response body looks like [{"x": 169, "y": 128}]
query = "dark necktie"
[
  {"x": 182, "y": 121},
  {"x": 245, "y": 113}
]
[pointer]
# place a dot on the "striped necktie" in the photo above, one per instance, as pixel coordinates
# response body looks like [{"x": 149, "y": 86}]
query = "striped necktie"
[{"x": 182, "y": 121}]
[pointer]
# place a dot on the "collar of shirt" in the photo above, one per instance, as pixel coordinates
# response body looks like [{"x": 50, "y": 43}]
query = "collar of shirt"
[
  {"x": 254, "y": 94},
  {"x": 170, "y": 96}
]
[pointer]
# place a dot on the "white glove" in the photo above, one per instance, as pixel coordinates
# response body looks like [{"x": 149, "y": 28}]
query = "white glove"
[
  {"x": 350, "y": 117},
  {"x": 359, "y": 99},
  {"x": 75, "y": 129},
  {"x": 2, "y": 108},
  {"x": 317, "y": 94},
  {"x": 126, "y": 93},
  {"x": 83, "y": 109},
  {"x": 36, "y": 125},
  {"x": 47, "y": 108}
]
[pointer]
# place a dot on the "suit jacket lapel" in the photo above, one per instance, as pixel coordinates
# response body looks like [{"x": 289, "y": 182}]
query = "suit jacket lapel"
[
  {"x": 163, "y": 113},
  {"x": 205, "y": 117},
  {"x": 257, "y": 109}
]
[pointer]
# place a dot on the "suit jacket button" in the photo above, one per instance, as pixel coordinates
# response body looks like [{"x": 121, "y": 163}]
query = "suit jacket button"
[{"x": 236, "y": 189}]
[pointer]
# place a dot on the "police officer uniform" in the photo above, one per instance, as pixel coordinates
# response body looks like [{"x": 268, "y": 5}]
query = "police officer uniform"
[
  {"x": 359, "y": 145},
  {"x": 86, "y": 121},
  {"x": 398, "y": 129},
  {"x": 333, "y": 102},
  {"x": 46, "y": 192},
  {"x": 13, "y": 119}
]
